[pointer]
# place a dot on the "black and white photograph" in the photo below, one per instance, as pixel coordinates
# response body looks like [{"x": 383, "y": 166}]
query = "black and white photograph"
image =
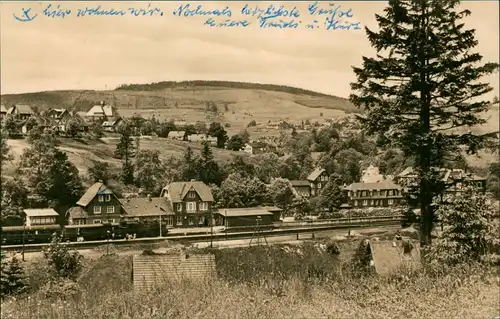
[{"x": 245, "y": 160}]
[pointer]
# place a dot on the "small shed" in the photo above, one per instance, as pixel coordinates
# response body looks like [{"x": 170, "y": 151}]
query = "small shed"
[
  {"x": 151, "y": 270},
  {"x": 40, "y": 216},
  {"x": 247, "y": 217},
  {"x": 387, "y": 257}
]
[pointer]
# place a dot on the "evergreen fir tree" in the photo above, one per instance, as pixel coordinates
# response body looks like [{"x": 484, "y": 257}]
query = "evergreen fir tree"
[
  {"x": 13, "y": 279},
  {"x": 422, "y": 89}
]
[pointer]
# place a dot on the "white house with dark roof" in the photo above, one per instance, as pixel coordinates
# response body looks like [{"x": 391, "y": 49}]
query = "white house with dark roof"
[
  {"x": 148, "y": 209},
  {"x": 101, "y": 112},
  {"x": 40, "y": 216},
  {"x": 381, "y": 194},
  {"x": 176, "y": 135},
  {"x": 98, "y": 205},
  {"x": 191, "y": 202},
  {"x": 317, "y": 179},
  {"x": 21, "y": 111}
]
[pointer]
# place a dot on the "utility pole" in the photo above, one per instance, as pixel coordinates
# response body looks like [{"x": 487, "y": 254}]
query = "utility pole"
[
  {"x": 24, "y": 231},
  {"x": 160, "y": 224},
  {"x": 107, "y": 245},
  {"x": 211, "y": 228},
  {"x": 258, "y": 232},
  {"x": 225, "y": 222},
  {"x": 349, "y": 223}
]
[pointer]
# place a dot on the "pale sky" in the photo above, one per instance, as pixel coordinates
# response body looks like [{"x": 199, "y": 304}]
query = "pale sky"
[{"x": 102, "y": 52}]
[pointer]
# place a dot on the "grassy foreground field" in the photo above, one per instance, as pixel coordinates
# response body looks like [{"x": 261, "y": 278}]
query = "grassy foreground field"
[{"x": 251, "y": 285}]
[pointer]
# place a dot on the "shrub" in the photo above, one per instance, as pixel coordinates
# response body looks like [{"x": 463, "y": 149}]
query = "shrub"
[
  {"x": 60, "y": 289},
  {"x": 63, "y": 263},
  {"x": 12, "y": 280},
  {"x": 252, "y": 123}
]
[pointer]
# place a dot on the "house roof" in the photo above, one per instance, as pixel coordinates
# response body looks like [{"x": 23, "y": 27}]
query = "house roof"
[
  {"x": 316, "y": 155},
  {"x": 101, "y": 109},
  {"x": 40, "y": 212},
  {"x": 200, "y": 137},
  {"x": 389, "y": 256},
  {"x": 3, "y": 109},
  {"x": 299, "y": 182},
  {"x": 176, "y": 134},
  {"x": 93, "y": 191},
  {"x": 315, "y": 174},
  {"x": 247, "y": 211},
  {"x": 111, "y": 123},
  {"x": 143, "y": 206},
  {"x": 157, "y": 269},
  {"x": 178, "y": 190},
  {"x": 21, "y": 109},
  {"x": 76, "y": 212},
  {"x": 385, "y": 184}
]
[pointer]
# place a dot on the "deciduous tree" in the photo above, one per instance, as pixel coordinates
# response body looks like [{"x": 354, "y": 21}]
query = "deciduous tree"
[
  {"x": 423, "y": 88},
  {"x": 217, "y": 130},
  {"x": 149, "y": 171}
]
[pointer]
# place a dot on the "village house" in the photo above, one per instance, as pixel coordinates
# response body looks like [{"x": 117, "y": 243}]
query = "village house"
[
  {"x": 380, "y": 194},
  {"x": 21, "y": 111},
  {"x": 176, "y": 135},
  {"x": 200, "y": 138},
  {"x": 301, "y": 188},
  {"x": 59, "y": 118},
  {"x": 454, "y": 178},
  {"x": 101, "y": 112},
  {"x": 256, "y": 148},
  {"x": 99, "y": 205},
  {"x": 371, "y": 175},
  {"x": 144, "y": 209},
  {"x": 317, "y": 181},
  {"x": 191, "y": 202},
  {"x": 40, "y": 216},
  {"x": 3, "y": 112},
  {"x": 113, "y": 125}
]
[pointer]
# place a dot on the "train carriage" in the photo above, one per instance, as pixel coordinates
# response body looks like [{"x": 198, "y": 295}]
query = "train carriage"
[
  {"x": 12, "y": 235},
  {"x": 90, "y": 232}
]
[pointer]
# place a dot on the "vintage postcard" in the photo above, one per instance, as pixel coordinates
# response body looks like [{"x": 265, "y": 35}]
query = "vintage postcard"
[{"x": 259, "y": 159}]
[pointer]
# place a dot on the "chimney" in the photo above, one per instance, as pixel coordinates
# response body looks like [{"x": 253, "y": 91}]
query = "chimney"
[
  {"x": 149, "y": 197},
  {"x": 102, "y": 103}
]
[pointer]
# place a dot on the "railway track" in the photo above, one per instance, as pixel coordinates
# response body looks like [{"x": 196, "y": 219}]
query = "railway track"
[{"x": 289, "y": 230}]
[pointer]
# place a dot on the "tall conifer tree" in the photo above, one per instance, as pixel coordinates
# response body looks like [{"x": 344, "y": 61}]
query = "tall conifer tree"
[{"x": 422, "y": 90}]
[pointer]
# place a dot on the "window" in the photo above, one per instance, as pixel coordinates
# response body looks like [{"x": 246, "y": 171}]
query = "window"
[
  {"x": 319, "y": 185},
  {"x": 170, "y": 220},
  {"x": 112, "y": 221},
  {"x": 108, "y": 198},
  {"x": 190, "y": 220},
  {"x": 191, "y": 194},
  {"x": 100, "y": 198},
  {"x": 312, "y": 192},
  {"x": 79, "y": 222},
  {"x": 97, "y": 210},
  {"x": 110, "y": 209},
  {"x": 355, "y": 203},
  {"x": 371, "y": 202},
  {"x": 179, "y": 207},
  {"x": 390, "y": 202},
  {"x": 365, "y": 202},
  {"x": 179, "y": 220},
  {"x": 191, "y": 206},
  {"x": 97, "y": 221},
  {"x": 201, "y": 220},
  {"x": 203, "y": 206}
]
